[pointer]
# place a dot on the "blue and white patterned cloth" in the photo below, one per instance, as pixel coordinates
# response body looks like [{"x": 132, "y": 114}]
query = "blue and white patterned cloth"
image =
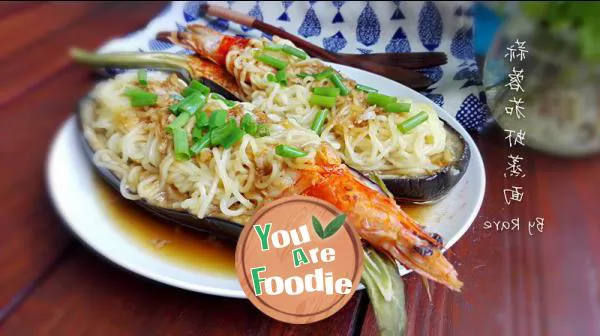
[{"x": 353, "y": 27}]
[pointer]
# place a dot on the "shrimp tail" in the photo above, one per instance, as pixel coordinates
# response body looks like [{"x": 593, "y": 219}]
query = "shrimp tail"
[{"x": 376, "y": 217}]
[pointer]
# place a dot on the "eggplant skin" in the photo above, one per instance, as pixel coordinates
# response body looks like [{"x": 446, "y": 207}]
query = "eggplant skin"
[
  {"x": 431, "y": 188},
  {"x": 220, "y": 227}
]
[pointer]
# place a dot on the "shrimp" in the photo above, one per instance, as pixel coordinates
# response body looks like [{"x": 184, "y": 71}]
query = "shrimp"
[
  {"x": 196, "y": 67},
  {"x": 378, "y": 219}
]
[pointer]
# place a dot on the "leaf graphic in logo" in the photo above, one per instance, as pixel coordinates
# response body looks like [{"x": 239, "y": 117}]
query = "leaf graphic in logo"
[
  {"x": 334, "y": 226},
  {"x": 318, "y": 227}
]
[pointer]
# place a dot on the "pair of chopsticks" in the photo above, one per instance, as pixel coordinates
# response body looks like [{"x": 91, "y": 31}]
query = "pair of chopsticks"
[{"x": 400, "y": 67}]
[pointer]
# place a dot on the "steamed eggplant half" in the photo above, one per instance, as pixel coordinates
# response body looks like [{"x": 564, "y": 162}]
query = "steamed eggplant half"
[
  {"x": 420, "y": 189},
  {"x": 218, "y": 226},
  {"x": 424, "y": 189}
]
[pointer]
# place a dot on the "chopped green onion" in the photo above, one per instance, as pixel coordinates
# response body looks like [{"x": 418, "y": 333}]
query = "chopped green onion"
[
  {"x": 273, "y": 47},
  {"x": 326, "y": 91},
  {"x": 301, "y": 54},
  {"x": 289, "y": 151},
  {"x": 234, "y": 136},
  {"x": 323, "y": 74},
  {"x": 303, "y": 75},
  {"x": 319, "y": 121},
  {"x": 227, "y": 102},
  {"x": 413, "y": 122},
  {"x": 380, "y": 99},
  {"x": 323, "y": 101},
  {"x": 336, "y": 79},
  {"x": 281, "y": 77},
  {"x": 217, "y": 118},
  {"x": 191, "y": 103},
  {"x": 179, "y": 122},
  {"x": 397, "y": 107},
  {"x": 272, "y": 61},
  {"x": 180, "y": 142},
  {"x": 217, "y": 135},
  {"x": 196, "y": 133},
  {"x": 201, "y": 119},
  {"x": 142, "y": 77},
  {"x": 197, "y": 86},
  {"x": 200, "y": 144},
  {"x": 248, "y": 124},
  {"x": 139, "y": 97},
  {"x": 271, "y": 78},
  {"x": 366, "y": 88},
  {"x": 262, "y": 130}
]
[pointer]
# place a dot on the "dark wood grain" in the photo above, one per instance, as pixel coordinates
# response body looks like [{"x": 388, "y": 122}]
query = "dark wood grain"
[
  {"x": 27, "y": 68},
  {"x": 34, "y": 236},
  {"x": 515, "y": 284},
  {"x": 105, "y": 300}
]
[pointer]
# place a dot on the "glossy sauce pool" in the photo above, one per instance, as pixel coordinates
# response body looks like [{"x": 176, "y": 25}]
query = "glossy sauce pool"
[{"x": 182, "y": 246}]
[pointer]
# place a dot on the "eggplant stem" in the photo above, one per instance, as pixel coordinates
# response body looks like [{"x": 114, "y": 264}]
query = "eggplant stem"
[{"x": 133, "y": 60}]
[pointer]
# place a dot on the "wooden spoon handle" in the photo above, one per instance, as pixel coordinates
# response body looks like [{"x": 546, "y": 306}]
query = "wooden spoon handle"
[{"x": 249, "y": 21}]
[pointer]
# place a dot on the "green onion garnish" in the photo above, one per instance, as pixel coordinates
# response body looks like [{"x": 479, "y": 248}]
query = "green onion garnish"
[
  {"x": 248, "y": 124},
  {"x": 323, "y": 74},
  {"x": 336, "y": 79},
  {"x": 191, "y": 103},
  {"x": 272, "y": 61},
  {"x": 301, "y": 54},
  {"x": 201, "y": 143},
  {"x": 289, "y": 151},
  {"x": 217, "y": 135},
  {"x": 201, "y": 119},
  {"x": 139, "y": 97},
  {"x": 366, "y": 88},
  {"x": 273, "y": 47},
  {"x": 217, "y": 118},
  {"x": 179, "y": 122},
  {"x": 303, "y": 75},
  {"x": 398, "y": 107},
  {"x": 323, "y": 101},
  {"x": 262, "y": 130},
  {"x": 180, "y": 142},
  {"x": 380, "y": 99},
  {"x": 227, "y": 102},
  {"x": 319, "y": 121},
  {"x": 234, "y": 136},
  {"x": 142, "y": 77},
  {"x": 413, "y": 122},
  {"x": 326, "y": 91},
  {"x": 197, "y": 86},
  {"x": 281, "y": 77},
  {"x": 196, "y": 134},
  {"x": 271, "y": 78}
]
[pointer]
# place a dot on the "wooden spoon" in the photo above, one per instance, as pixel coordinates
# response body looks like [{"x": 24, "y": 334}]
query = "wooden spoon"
[{"x": 407, "y": 77}]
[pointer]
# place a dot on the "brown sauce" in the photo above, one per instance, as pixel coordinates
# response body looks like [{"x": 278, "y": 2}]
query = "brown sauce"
[{"x": 182, "y": 246}]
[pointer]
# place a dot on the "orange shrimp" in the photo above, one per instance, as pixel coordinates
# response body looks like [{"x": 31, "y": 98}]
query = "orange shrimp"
[
  {"x": 376, "y": 217},
  {"x": 206, "y": 42}
]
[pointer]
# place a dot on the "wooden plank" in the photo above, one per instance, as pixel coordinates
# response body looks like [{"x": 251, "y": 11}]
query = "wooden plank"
[
  {"x": 26, "y": 28},
  {"x": 87, "y": 295},
  {"x": 35, "y": 234},
  {"x": 8, "y": 8},
  {"x": 25, "y": 70}
]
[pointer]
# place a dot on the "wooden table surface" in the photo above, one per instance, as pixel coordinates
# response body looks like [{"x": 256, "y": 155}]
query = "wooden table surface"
[{"x": 515, "y": 284}]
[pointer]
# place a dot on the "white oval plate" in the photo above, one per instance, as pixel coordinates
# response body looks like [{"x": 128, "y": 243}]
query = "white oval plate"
[{"x": 70, "y": 178}]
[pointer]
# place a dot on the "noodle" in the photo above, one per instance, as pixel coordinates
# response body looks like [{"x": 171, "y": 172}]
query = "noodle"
[
  {"x": 228, "y": 183},
  {"x": 383, "y": 148}
]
